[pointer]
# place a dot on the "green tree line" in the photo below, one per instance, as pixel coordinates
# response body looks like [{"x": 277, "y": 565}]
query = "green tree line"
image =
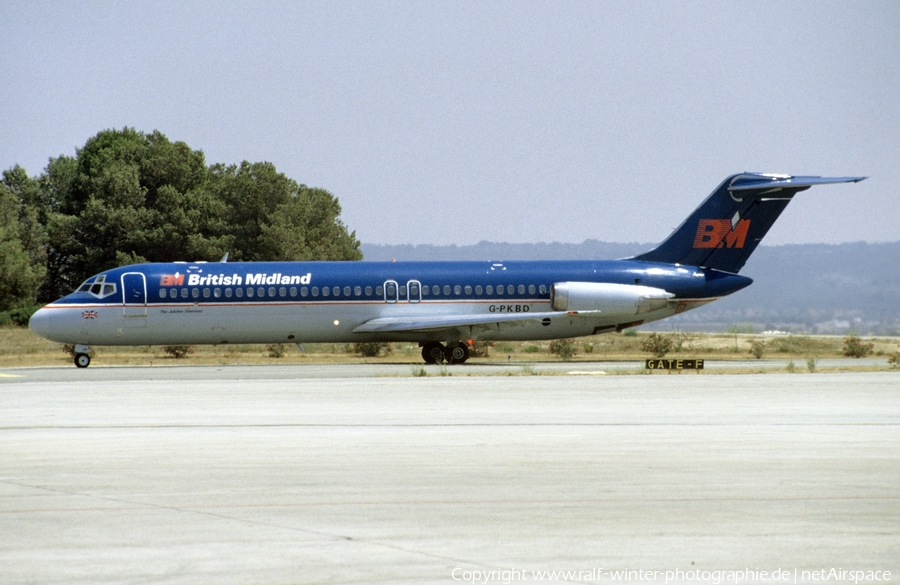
[{"x": 128, "y": 197}]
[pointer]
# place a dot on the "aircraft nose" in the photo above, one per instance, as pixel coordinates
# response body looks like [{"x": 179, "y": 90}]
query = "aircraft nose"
[{"x": 40, "y": 323}]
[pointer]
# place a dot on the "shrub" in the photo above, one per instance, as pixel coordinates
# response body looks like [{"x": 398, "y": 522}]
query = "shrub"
[
  {"x": 657, "y": 344},
  {"x": 811, "y": 362},
  {"x": 480, "y": 348},
  {"x": 856, "y": 348},
  {"x": 372, "y": 348},
  {"x": 18, "y": 316},
  {"x": 894, "y": 360},
  {"x": 564, "y": 348},
  {"x": 757, "y": 348},
  {"x": 178, "y": 351},
  {"x": 276, "y": 350}
]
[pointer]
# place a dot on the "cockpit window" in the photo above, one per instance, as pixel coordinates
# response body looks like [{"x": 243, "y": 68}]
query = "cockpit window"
[{"x": 97, "y": 286}]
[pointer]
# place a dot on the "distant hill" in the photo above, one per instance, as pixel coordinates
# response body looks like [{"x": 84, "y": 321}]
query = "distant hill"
[{"x": 813, "y": 288}]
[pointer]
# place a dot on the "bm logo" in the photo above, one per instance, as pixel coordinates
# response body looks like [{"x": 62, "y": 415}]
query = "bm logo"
[
  {"x": 719, "y": 233},
  {"x": 171, "y": 280}
]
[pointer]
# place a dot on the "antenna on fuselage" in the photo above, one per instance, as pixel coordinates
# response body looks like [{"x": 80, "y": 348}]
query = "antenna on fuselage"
[{"x": 225, "y": 257}]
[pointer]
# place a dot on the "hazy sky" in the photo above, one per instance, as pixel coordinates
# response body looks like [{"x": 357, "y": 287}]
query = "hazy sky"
[{"x": 455, "y": 122}]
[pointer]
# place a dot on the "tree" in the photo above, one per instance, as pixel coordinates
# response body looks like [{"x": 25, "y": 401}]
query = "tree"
[
  {"x": 274, "y": 218},
  {"x": 22, "y": 238},
  {"x": 128, "y": 197},
  {"x": 306, "y": 227}
]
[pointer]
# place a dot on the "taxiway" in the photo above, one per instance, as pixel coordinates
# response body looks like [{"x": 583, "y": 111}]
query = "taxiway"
[{"x": 249, "y": 474}]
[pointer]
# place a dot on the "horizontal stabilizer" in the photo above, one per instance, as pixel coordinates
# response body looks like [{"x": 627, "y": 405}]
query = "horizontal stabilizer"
[{"x": 757, "y": 182}]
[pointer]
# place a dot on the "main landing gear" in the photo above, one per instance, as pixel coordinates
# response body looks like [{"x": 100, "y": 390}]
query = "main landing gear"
[
  {"x": 82, "y": 356},
  {"x": 434, "y": 352}
]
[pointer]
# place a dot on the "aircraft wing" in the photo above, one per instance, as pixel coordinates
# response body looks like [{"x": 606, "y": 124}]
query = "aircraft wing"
[{"x": 438, "y": 322}]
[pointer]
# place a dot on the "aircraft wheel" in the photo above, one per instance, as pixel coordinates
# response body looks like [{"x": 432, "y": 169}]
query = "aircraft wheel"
[
  {"x": 457, "y": 354},
  {"x": 82, "y": 360},
  {"x": 433, "y": 353}
]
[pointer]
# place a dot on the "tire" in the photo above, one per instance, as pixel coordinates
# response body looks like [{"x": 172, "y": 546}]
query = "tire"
[
  {"x": 82, "y": 360},
  {"x": 457, "y": 354},
  {"x": 433, "y": 353}
]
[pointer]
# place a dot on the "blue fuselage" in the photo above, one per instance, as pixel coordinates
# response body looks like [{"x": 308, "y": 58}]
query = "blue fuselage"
[{"x": 269, "y": 302}]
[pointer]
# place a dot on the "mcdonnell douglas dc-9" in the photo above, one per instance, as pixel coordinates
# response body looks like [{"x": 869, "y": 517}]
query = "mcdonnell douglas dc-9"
[{"x": 444, "y": 306}]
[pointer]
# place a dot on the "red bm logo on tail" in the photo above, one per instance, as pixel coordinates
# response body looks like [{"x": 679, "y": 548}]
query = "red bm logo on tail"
[{"x": 719, "y": 233}]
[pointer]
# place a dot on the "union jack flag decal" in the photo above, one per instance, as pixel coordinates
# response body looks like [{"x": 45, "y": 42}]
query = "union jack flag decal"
[{"x": 89, "y": 314}]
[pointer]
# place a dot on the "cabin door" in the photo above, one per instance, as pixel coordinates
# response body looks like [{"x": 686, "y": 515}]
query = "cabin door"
[
  {"x": 391, "y": 291},
  {"x": 134, "y": 299}
]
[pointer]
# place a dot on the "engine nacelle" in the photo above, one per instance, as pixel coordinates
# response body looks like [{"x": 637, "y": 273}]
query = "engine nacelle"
[{"x": 608, "y": 298}]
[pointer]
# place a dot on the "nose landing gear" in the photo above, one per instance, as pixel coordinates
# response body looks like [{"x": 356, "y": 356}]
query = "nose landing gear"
[{"x": 82, "y": 356}]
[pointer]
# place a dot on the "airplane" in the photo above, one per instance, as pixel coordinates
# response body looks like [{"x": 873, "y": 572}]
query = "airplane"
[{"x": 444, "y": 306}]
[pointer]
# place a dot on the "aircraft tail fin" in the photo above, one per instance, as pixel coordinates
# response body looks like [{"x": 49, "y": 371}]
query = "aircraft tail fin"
[{"x": 727, "y": 227}]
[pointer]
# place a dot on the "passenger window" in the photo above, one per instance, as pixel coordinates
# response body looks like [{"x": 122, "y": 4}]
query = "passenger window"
[
  {"x": 521, "y": 289},
  {"x": 379, "y": 291},
  {"x": 457, "y": 289},
  {"x": 368, "y": 291},
  {"x": 162, "y": 293},
  {"x": 435, "y": 290},
  {"x": 184, "y": 293},
  {"x": 478, "y": 289},
  {"x": 282, "y": 292},
  {"x": 357, "y": 290},
  {"x": 315, "y": 291},
  {"x": 346, "y": 291},
  {"x": 531, "y": 289},
  {"x": 325, "y": 291},
  {"x": 239, "y": 292},
  {"x": 195, "y": 293},
  {"x": 249, "y": 292},
  {"x": 217, "y": 292},
  {"x": 260, "y": 292},
  {"x": 402, "y": 291},
  {"x": 543, "y": 289},
  {"x": 271, "y": 292},
  {"x": 228, "y": 293},
  {"x": 468, "y": 289},
  {"x": 489, "y": 290},
  {"x": 304, "y": 291},
  {"x": 447, "y": 289},
  {"x": 293, "y": 291}
]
